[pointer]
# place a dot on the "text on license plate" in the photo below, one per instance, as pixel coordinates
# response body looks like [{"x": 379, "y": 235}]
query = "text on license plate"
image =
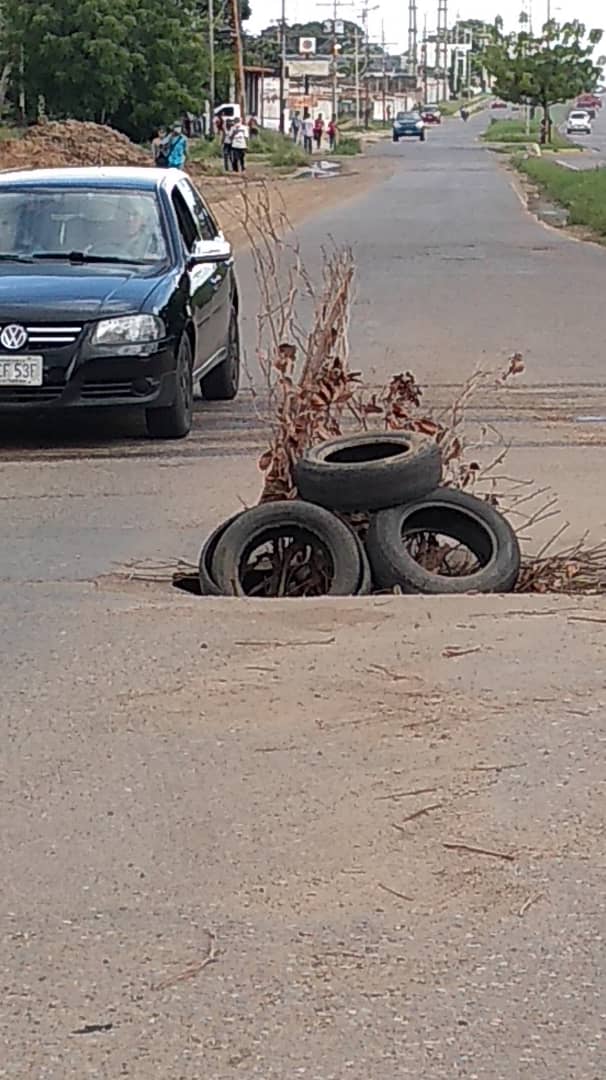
[{"x": 26, "y": 371}]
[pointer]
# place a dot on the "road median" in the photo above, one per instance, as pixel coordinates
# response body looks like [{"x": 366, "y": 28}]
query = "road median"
[{"x": 582, "y": 194}]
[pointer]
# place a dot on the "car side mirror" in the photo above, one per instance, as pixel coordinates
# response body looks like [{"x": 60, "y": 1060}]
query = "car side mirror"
[{"x": 217, "y": 250}]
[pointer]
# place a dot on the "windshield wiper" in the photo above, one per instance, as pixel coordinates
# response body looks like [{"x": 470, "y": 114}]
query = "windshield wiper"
[
  {"x": 82, "y": 257},
  {"x": 14, "y": 256}
]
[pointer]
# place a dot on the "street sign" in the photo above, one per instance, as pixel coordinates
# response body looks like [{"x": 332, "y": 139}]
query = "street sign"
[
  {"x": 307, "y": 45},
  {"x": 300, "y": 68}
]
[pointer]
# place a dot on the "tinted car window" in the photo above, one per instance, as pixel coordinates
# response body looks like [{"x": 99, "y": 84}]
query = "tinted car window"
[
  {"x": 188, "y": 227},
  {"x": 206, "y": 224},
  {"x": 104, "y": 224}
]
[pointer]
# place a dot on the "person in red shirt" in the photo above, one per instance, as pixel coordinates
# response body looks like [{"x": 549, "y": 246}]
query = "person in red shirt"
[
  {"x": 332, "y": 133},
  {"x": 318, "y": 130}
]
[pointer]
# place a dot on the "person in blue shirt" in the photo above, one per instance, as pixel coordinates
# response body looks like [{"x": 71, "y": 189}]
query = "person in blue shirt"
[{"x": 176, "y": 148}]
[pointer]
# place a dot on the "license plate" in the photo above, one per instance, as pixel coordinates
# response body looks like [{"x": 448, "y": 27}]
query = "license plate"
[{"x": 26, "y": 371}]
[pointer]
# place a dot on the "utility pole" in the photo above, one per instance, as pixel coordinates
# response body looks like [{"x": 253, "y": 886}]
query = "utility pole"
[
  {"x": 335, "y": 87},
  {"x": 412, "y": 36},
  {"x": 334, "y": 70},
  {"x": 282, "y": 65},
  {"x": 357, "y": 74},
  {"x": 211, "y": 50},
  {"x": 239, "y": 57},
  {"x": 384, "y": 45},
  {"x": 425, "y": 59},
  {"x": 384, "y": 71},
  {"x": 442, "y": 46},
  {"x": 364, "y": 17}
]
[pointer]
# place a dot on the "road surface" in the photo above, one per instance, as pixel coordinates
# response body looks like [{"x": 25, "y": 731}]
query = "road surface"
[
  {"x": 594, "y": 147},
  {"x": 277, "y": 840}
]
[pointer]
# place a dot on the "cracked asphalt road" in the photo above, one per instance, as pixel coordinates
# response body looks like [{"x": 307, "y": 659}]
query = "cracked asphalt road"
[{"x": 178, "y": 772}]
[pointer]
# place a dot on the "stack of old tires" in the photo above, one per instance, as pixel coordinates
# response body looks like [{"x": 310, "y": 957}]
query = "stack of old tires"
[{"x": 392, "y": 479}]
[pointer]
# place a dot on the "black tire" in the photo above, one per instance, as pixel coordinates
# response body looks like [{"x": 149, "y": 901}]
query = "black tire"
[
  {"x": 369, "y": 472},
  {"x": 396, "y": 138},
  {"x": 422, "y": 136},
  {"x": 365, "y": 583},
  {"x": 261, "y": 523},
  {"x": 208, "y": 585},
  {"x": 223, "y": 382},
  {"x": 174, "y": 421},
  {"x": 465, "y": 518}
]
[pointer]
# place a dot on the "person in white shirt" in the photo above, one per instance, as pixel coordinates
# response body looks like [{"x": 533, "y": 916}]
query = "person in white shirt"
[
  {"x": 308, "y": 133},
  {"x": 239, "y": 146}
]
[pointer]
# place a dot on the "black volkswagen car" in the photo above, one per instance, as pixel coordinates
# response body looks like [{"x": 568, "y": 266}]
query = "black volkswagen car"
[{"x": 117, "y": 288}]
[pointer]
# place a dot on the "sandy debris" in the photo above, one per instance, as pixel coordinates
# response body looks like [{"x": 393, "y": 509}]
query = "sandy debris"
[{"x": 59, "y": 144}]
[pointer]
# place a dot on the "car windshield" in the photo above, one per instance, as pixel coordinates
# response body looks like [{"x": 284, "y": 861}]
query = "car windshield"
[
  {"x": 96, "y": 224},
  {"x": 406, "y": 117},
  {"x": 578, "y": 116}
]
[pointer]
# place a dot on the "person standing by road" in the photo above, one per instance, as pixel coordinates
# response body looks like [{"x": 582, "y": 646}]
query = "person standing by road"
[
  {"x": 318, "y": 130},
  {"x": 176, "y": 147},
  {"x": 308, "y": 132},
  {"x": 226, "y": 136},
  {"x": 295, "y": 127},
  {"x": 239, "y": 146},
  {"x": 332, "y": 133},
  {"x": 159, "y": 148}
]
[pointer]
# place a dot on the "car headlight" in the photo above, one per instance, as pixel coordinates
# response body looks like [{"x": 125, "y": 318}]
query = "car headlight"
[
  {"x": 128, "y": 330},
  {"x": 419, "y": 123}
]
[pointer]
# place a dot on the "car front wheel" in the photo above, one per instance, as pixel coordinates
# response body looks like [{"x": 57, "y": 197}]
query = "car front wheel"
[
  {"x": 422, "y": 136},
  {"x": 222, "y": 383},
  {"x": 396, "y": 138},
  {"x": 174, "y": 421}
]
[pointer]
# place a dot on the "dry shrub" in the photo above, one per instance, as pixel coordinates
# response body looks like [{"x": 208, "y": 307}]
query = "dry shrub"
[{"x": 312, "y": 395}]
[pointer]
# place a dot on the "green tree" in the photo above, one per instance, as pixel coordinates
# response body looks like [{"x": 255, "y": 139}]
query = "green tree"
[
  {"x": 169, "y": 65},
  {"x": 134, "y": 63},
  {"x": 75, "y": 54},
  {"x": 542, "y": 71}
]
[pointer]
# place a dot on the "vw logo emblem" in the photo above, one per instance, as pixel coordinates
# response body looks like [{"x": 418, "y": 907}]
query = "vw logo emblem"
[{"x": 13, "y": 337}]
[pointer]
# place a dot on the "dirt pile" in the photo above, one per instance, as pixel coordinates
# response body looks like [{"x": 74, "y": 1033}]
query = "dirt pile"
[{"x": 56, "y": 144}]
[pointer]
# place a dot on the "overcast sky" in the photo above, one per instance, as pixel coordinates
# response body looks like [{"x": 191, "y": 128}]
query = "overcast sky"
[{"x": 395, "y": 14}]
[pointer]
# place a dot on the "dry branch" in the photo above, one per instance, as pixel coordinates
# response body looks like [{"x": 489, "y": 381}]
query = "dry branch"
[
  {"x": 311, "y": 394},
  {"x": 193, "y": 969},
  {"x": 460, "y": 846}
]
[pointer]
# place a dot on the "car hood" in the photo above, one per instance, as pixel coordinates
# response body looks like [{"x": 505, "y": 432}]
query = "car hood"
[{"x": 59, "y": 291}]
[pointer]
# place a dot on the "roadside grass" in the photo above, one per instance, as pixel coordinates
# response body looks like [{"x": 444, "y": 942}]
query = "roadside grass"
[
  {"x": 267, "y": 148},
  {"x": 514, "y": 131},
  {"x": 348, "y": 146},
  {"x": 203, "y": 150},
  {"x": 582, "y": 193}
]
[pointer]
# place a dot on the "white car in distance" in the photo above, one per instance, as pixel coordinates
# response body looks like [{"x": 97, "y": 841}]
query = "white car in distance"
[{"x": 578, "y": 123}]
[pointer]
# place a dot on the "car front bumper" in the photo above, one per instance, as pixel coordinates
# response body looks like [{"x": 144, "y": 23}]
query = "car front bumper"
[{"x": 97, "y": 380}]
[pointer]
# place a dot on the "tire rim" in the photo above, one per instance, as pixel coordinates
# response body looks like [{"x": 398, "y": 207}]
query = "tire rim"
[
  {"x": 186, "y": 382},
  {"x": 233, "y": 350}
]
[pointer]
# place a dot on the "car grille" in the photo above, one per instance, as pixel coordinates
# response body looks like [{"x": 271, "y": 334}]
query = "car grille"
[
  {"x": 47, "y": 336},
  {"x": 24, "y": 395},
  {"x": 109, "y": 390}
]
